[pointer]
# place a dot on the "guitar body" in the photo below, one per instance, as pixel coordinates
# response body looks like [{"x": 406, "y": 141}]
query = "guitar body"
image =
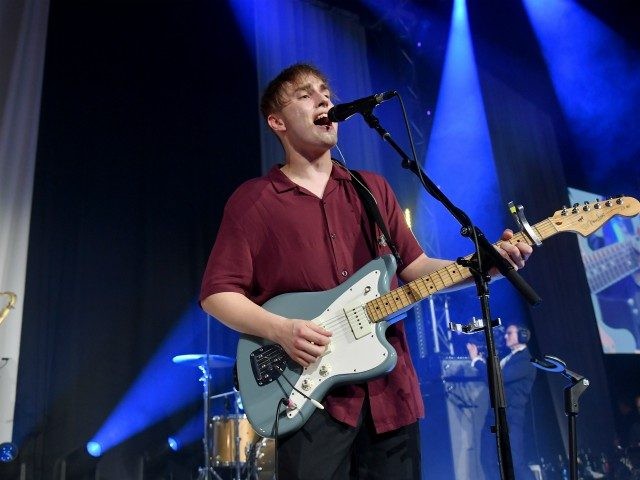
[{"x": 355, "y": 355}]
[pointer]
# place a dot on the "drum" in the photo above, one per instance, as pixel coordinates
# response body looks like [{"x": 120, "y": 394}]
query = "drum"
[
  {"x": 222, "y": 431},
  {"x": 264, "y": 468}
]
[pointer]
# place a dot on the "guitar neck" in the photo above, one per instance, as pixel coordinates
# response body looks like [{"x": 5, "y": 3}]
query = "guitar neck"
[{"x": 453, "y": 274}]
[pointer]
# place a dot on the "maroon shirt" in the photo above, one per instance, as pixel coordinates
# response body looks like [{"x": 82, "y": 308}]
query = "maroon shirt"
[{"x": 277, "y": 237}]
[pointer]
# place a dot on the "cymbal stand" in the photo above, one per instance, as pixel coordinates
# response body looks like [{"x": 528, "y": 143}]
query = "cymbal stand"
[
  {"x": 206, "y": 472},
  {"x": 236, "y": 424}
]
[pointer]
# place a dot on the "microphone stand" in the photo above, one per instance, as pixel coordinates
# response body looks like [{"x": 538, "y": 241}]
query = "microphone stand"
[
  {"x": 485, "y": 257},
  {"x": 572, "y": 393}
]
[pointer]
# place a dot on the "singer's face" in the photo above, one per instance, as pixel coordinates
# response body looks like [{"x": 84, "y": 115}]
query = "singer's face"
[{"x": 307, "y": 100}]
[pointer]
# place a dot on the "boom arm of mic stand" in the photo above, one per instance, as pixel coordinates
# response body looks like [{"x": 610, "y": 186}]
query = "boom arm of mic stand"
[
  {"x": 486, "y": 256},
  {"x": 487, "y": 250}
]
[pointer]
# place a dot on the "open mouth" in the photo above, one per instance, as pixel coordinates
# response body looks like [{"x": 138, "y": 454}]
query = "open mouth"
[{"x": 322, "y": 119}]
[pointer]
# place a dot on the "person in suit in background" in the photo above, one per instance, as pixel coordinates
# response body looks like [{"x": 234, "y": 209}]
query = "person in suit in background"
[{"x": 518, "y": 375}]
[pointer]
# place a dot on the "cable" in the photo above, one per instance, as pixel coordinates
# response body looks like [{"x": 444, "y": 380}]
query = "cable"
[
  {"x": 344, "y": 160},
  {"x": 312, "y": 400},
  {"x": 285, "y": 402}
]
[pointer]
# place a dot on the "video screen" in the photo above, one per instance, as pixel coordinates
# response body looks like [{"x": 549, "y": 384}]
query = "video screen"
[{"x": 611, "y": 258}]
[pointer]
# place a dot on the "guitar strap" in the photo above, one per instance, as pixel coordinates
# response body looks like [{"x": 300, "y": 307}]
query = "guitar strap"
[{"x": 373, "y": 213}]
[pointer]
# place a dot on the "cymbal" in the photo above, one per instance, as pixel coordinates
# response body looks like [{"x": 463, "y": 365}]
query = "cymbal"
[{"x": 200, "y": 359}]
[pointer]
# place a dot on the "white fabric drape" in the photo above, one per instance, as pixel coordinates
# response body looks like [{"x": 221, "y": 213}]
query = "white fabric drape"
[{"x": 23, "y": 26}]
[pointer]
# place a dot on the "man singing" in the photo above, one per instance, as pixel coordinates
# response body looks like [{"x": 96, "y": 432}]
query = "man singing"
[{"x": 302, "y": 227}]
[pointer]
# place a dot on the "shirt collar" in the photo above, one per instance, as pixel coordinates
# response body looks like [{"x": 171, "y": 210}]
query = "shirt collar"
[
  {"x": 282, "y": 183},
  {"x": 519, "y": 349}
]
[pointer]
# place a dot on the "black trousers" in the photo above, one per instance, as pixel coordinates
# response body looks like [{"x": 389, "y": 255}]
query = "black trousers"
[{"x": 327, "y": 449}]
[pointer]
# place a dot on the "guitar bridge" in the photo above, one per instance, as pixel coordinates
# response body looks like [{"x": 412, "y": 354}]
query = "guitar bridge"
[{"x": 268, "y": 363}]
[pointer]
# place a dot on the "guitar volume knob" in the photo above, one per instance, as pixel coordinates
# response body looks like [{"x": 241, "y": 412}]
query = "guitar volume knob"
[
  {"x": 325, "y": 370},
  {"x": 307, "y": 384}
]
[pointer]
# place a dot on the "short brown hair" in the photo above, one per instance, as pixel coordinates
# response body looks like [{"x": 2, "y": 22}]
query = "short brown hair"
[{"x": 273, "y": 97}]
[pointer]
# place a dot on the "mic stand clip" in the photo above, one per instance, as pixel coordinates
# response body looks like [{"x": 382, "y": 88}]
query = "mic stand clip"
[{"x": 476, "y": 325}]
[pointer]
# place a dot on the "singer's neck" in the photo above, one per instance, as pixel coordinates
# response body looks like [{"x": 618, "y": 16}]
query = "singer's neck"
[
  {"x": 312, "y": 174},
  {"x": 304, "y": 165}
]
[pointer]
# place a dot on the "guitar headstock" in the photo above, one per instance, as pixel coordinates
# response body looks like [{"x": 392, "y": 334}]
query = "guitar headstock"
[{"x": 586, "y": 218}]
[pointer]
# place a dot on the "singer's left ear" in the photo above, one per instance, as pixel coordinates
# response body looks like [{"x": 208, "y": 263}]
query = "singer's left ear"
[{"x": 276, "y": 123}]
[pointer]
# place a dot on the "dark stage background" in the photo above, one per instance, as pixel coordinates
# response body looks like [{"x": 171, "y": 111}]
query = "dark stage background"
[{"x": 149, "y": 121}]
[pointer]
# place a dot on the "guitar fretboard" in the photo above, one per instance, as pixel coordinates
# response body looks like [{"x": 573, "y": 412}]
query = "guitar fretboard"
[{"x": 443, "y": 278}]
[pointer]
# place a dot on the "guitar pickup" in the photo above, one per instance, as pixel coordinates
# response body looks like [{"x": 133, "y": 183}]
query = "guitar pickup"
[
  {"x": 268, "y": 363},
  {"x": 358, "y": 321}
]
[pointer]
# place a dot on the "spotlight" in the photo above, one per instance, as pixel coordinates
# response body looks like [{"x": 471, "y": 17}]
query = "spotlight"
[
  {"x": 94, "y": 449},
  {"x": 8, "y": 452},
  {"x": 173, "y": 444}
]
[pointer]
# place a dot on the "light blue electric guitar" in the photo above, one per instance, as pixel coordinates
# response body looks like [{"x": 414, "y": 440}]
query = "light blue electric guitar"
[{"x": 358, "y": 312}]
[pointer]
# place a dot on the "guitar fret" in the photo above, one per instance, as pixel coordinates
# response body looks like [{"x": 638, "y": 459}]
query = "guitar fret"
[
  {"x": 444, "y": 280},
  {"x": 404, "y": 298},
  {"x": 404, "y": 293},
  {"x": 437, "y": 279},
  {"x": 455, "y": 274},
  {"x": 415, "y": 292},
  {"x": 426, "y": 286},
  {"x": 384, "y": 305},
  {"x": 391, "y": 303},
  {"x": 374, "y": 312}
]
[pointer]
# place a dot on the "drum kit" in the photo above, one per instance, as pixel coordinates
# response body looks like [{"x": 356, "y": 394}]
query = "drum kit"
[{"x": 232, "y": 449}]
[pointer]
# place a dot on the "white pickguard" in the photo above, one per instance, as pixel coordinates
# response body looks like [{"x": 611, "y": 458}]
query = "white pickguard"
[{"x": 345, "y": 354}]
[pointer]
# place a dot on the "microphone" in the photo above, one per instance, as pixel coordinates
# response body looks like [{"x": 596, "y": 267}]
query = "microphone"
[{"x": 341, "y": 112}]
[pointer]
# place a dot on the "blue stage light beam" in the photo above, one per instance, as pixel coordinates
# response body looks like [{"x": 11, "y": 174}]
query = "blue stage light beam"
[
  {"x": 243, "y": 10},
  {"x": 189, "y": 433},
  {"x": 459, "y": 157},
  {"x": 460, "y": 161},
  {"x": 596, "y": 76},
  {"x": 162, "y": 388}
]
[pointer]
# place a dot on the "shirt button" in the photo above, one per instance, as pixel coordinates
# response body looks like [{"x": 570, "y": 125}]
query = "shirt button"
[
  {"x": 333, "y": 236},
  {"x": 344, "y": 273}
]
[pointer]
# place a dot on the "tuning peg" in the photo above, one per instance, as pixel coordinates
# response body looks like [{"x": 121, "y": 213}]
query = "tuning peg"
[
  {"x": 586, "y": 207},
  {"x": 608, "y": 203},
  {"x": 564, "y": 211},
  {"x": 619, "y": 201}
]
